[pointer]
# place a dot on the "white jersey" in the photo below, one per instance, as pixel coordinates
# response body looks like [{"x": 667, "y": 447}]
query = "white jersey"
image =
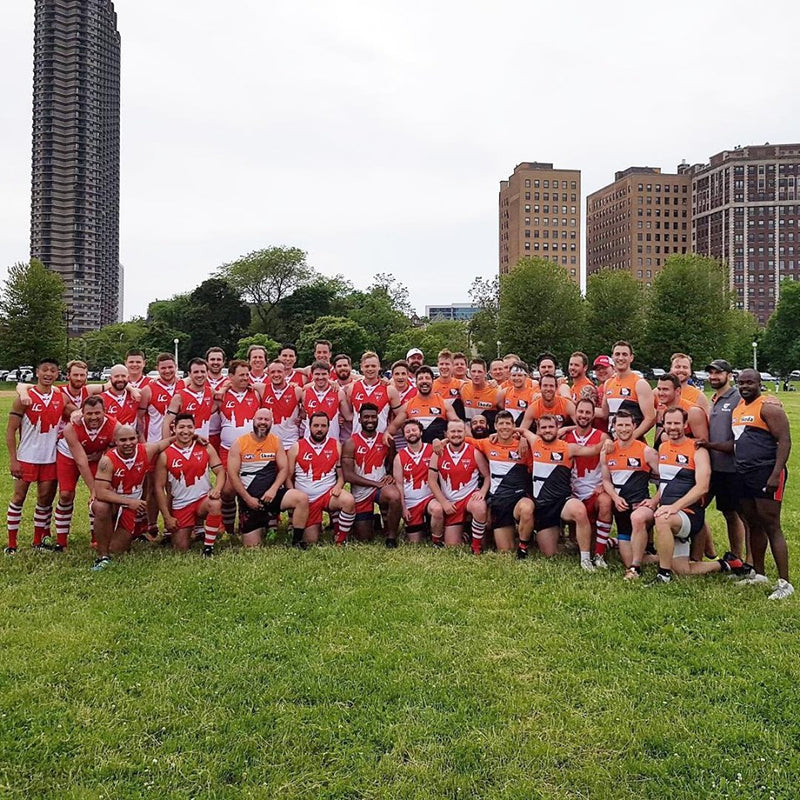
[
  {"x": 215, "y": 423},
  {"x": 187, "y": 474},
  {"x": 160, "y": 398},
  {"x": 40, "y": 427}
]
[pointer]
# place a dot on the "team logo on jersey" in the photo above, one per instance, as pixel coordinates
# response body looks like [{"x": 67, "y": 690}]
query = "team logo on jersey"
[
  {"x": 682, "y": 459},
  {"x": 248, "y": 457},
  {"x": 494, "y": 454},
  {"x": 556, "y": 457},
  {"x": 522, "y": 403},
  {"x": 612, "y": 463},
  {"x": 435, "y": 410},
  {"x": 625, "y": 392},
  {"x": 514, "y": 455},
  {"x": 633, "y": 462}
]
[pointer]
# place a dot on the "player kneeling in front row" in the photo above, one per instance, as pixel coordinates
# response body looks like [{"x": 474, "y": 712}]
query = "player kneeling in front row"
[
  {"x": 684, "y": 474},
  {"x": 315, "y": 469},
  {"x": 552, "y": 491},
  {"x": 454, "y": 476},
  {"x": 118, "y": 492},
  {"x": 183, "y": 470},
  {"x": 257, "y": 470}
]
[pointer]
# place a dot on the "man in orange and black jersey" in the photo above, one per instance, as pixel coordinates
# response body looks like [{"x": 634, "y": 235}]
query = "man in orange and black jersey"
[
  {"x": 429, "y": 408},
  {"x": 498, "y": 371},
  {"x": 550, "y": 403},
  {"x": 460, "y": 367},
  {"x": 681, "y": 365},
  {"x": 479, "y": 396},
  {"x": 669, "y": 394},
  {"x": 684, "y": 473},
  {"x": 446, "y": 385},
  {"x": 626, "y": 389},
  {"x": 519, "y": 392},
  {"x": 546, "y": 364},
  {"x": 582, "y": 385}
]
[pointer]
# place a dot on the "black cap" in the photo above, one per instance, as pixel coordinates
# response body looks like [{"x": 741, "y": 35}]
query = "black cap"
[{"x": 721, "y": 365}]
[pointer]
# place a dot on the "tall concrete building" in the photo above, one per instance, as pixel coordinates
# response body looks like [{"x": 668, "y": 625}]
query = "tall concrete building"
[
  {"x": 746, "y": 211},
  {"x": 540, "y": 215},
  {"x": 638, "y": 221},
  {"x": 76, "y": 147}
]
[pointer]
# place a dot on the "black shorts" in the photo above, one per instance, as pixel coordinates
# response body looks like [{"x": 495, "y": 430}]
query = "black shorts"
[
  {"x": 753, "y": 482},
  {"x": 624, "y": 526},
  {"x": 251, "y": 519},
  {"x": 726, "y": 488},
  {"x": 548, "y": 516},
  {"x": 502, "y": 507}
]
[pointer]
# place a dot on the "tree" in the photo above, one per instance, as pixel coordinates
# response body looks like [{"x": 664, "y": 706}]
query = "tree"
[
  {"x": 615, "y": 309},
  {"x": 270, "y": 345},
  {"x": 397, "y": 292},
  {"x": 689, "y": 311},
  {"x": 374, "y": 312},
  {"x": 743, "y": 332},
  {"x": 541, "y": 308},
  {"x": 781, "y": 342},
  {"x": 265, "y": 277},
  {"x": 107, "y": 346},
  {"x": 322, "y": 298},
  {"x": 445, "y": 334},
  {"x": 32, "y": 315},
  {"x": 217, "y": 316},
  {"x": 345, "y": 336},
  {"x": 485, "y": 292}
]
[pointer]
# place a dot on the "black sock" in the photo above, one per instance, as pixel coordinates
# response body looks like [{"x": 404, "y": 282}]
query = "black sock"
[{"x": 297, "y": 535}]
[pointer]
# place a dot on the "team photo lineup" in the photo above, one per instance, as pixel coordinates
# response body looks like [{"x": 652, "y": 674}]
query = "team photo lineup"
[{"x": 506, "y": 456}]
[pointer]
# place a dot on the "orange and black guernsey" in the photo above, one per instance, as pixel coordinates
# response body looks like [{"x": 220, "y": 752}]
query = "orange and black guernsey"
[
  {"x": 431, "y": 412},
  {"x": 559, "y": 409},
  {"x": 620, "y": 393},
  {"x": 259, "y": 466},
  {"x": 518, "y": 400},
  {"x": 509, "y": 472},
  {"x": 479, "y": 401},
  {"x": 754, "y": 447},
  {"x": 676, "y": 470},
  {"x": 552, "y": 472},
  {"x": 629, "y": 471}
]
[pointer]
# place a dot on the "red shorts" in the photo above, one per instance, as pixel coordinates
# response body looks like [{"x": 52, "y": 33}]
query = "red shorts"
[
  {"x": 125, "y": 519},
  {"x": 417, "y": 513},
  {"x": 188, "y": 516},
  {"x": 68, "y": 472},
  {"x": 316, "y": 507},
  {"x": 223, "y": 456},
  {"x": 460, "y": 515},
  {"x": 367, "y": 505},
  {"x": 590, "y": 503},
  {"x": 213, "y": 440},
  {"x": 38, "y": 473}
]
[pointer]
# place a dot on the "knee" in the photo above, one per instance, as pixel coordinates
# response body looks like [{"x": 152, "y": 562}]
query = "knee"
[
  {"x": 214, "y": 506},
  {"x": 348, "y": 503},
  {"x": 67, "y": 498}
]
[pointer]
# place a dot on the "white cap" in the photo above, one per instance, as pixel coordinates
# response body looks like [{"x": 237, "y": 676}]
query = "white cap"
[{"x": 413, "y": 352}]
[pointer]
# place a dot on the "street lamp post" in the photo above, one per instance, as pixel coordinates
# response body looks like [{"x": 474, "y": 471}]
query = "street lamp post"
[
  {"x": 175, "y": 342},
  {"x": 498, "y": 348},
  {"x": 755, "y": 356}
]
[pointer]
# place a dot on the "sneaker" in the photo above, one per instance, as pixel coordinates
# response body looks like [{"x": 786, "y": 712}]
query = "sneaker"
[
  {"x": 747, "y": 571},
  {"x": 9, "y": 551},
  {"x": 391, "y": 543},
  {"x": 522, "y": 553},
  {"x": 600, "y": 563},
  {"x": 101, "y": 563},
  {"x": 208, "y": 551},
  {"x": 59, "y": 548},
  {"x": 783, "y": 589},
  {"x": 587, "y": 566},
  {"x": 730, "y": 562},
  {"x": 753, "y": 579},
  {"x": 632, "y": 574},
  {"x": 437, "y": 542},
  {"x": 300, "y": 545},
  {"x": 659, "y": 580}
]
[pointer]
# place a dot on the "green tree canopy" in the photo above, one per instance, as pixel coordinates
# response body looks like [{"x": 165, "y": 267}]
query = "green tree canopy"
[
  {"x": 323, "y": 297},
  {"x": 781, "y": 341},
  {"x": 270, "y": 345},
  {"x": 485, "y": 292},
  {"x": 32, "y": 315},
  {"x": 431, "y": 338},
  {"x": 345, "y": 336},
  {"x": 541, "y": 308},
  {"x": 743, "y": 331},
  {"x": 374, "y": 311},
  {"x": 107, "y": 346},
  {"x": 615, "y": 309}
]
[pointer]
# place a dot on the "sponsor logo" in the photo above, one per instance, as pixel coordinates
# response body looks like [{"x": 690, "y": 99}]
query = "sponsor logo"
[
  {"x": 177, "y": 463},
  {"x": 748, "y": 418},
  {"x": 435, "y": 410}
]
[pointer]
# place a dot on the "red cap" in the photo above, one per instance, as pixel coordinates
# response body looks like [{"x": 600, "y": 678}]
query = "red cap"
[{"x": 603, "y": 361}]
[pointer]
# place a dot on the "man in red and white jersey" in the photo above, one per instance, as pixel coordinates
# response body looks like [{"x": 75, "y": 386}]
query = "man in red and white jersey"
[
  {"x": 587, "y": 477},
  {"x": 454, "y": 476},
  {"x": 284, "y": 400},
  {"x": 184, "y": 491},
  {"x": 135, "y": 364},
  {"x": 118, "y": 492},
  {"x": 315, "y": 469},
  {"x": 410, "y": 471},
  {"x": 343, "y": 369},
  {"x": 406, "y": 389},
  {"x": 371, "y": 389},
  {"x": 157, "y": 396},
  {"x": 324, "y": 395},
  {"x": 237, "y": 410},
  {"x": 324, "y": 353},
  {"x": 257, "y": 359},
  {"x": 34, "y": 459},
  {"x": 80, "y": 448},
  {"x": 366, "y": 465},
  {"x": 216, "y": 359},
  {"x": 196, "y": 398},
  {"x": 288, "y": 354},
  {"x": 118, "y": 401}
]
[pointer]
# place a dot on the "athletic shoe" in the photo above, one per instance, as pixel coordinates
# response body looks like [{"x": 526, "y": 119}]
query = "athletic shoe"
[
  {"x": 730, "y": 562},
  {"x": 101, "y": 563},
  {"x": 783, "y": 589},
  {"x": 391, "y": 543},
  {"x": 632, "y": 574},
  {"x": 748, "y": 570},
  {"x": 9, "y": 551},
  {"x": 59, "y": 548},
  {"x": 600, "y": 562},
  {"x": 42, "y": 547},
  {"x": 587, "y": 566},
  {"x": 522, "y": 553},
  {"x": 659, "y": 580},
  {"x": 437, "y": 542},
  {"x": 208, "y": 551},
  {"x": 753, "y": 580},
  {"x": 300, "y": 545}
]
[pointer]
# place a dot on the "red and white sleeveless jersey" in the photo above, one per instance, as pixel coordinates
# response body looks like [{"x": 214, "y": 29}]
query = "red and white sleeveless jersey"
[
  {"x": 315, "y": 468},
  {"x": 75, "y": 399},
  {"x": 120, "y": 406},
  {"x": 415, "y": 474},
  {"x": 141, "y": 383},
  {"x": 285, "y": 413},
  {"x": 586, "y": 474},
  {"x": 40, "y": 427},
  {"x": 200, "y": 406},
  {"x": 91, "y": 441},
  {"x": 327, "y": 401},
  {"x": 458, "y": 472},
  {"x": 369, "y": 458},
  {"x": 160, "y": 398},
  {"x": 296, "y": 377},
  {"x": 215, "y": 423},
  {"x": 128, "y": 475},
  {"x": 377, "y": 393},
  {"x": 408, "y": 393},
  {"x": 187, "y": 474},
  {"x": 262, "y": 378},
  {"x": 237, "y": 411}
]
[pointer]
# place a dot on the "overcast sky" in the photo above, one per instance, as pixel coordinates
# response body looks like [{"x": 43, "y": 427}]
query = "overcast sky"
[{"x": 374, "y": 135}]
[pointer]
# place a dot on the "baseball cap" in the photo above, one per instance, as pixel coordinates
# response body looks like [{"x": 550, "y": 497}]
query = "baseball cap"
[
  {"x": 603, "y": 361},
  {"x": 414, "y": 351},
  {"x": 720, "y": 364}
]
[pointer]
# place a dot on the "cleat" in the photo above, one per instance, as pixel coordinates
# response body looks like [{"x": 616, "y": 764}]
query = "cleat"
[
  {"x": 391, "y": 544},
  {"x": 59, "y": 548},
  {"x": 208, "y": 551},
  {"x": 632, "y": 574},
  {"x": 587, "y": 566},
  {"x": 9, "y": 551},
  {"x": 600, "y": 563},
  {"x": 659, "y": 580},
  {"x": 783, "y": 589},
  {"x": 522, "y": 553},
  {"x": 101, "y": 563},
  {"x": 730, "y": 562},
  {"x": 437, "y": 542},
  {"x": 753, "y": 580}
]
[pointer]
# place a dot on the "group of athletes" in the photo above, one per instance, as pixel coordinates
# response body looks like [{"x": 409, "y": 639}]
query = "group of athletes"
[{"x": 467, "y": 455}]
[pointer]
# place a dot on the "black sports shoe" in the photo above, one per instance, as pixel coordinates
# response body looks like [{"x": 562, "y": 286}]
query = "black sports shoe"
[
  {"x": 9, "y": 551},
  {"x": 391, "y": 544},
  {"x": 730, "y": 562},
  {"x": 59, "y": 548},
  {"x": 208, "y": 551},
  {"x": 522, "y": 552},
  {"x": 659, "y": 580}
]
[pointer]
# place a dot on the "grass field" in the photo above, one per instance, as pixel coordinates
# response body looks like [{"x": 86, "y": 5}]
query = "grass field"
[{"x": 366, "y": 673}]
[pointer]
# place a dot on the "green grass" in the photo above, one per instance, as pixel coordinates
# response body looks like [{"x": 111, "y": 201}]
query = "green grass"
[{"x": 362, "y": 673}]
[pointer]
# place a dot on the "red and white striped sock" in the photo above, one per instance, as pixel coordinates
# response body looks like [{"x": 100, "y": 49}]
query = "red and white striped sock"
[
  {"x": 478, "y": 529},
  {"x": 41, "y": 523},
  {"x": 211, "y": 529},
  {"x": 601, "y": 540},
  {"x": 63, "y": 521},
  {"x": 13, "y": 519},
  {"x": 346, "y": 520}
]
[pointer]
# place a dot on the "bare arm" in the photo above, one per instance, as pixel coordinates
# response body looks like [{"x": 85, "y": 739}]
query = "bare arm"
[
  {"x": 104, "y": 492},
  {"x": 698, "y": 423},
  {"x": 778, "y": 424},
  {"x": 292, "y": 459},
  {"x": 173, "y": 408},
  {"x": 215, "y": 465},
  {"x": 161, "y": 493},
  {"x": 483, "y": 467},
  {"x": 648, "y": 409},
  {"x": 345, "y": 409},
  {"x": 14, "y": 423},
  {"x": 397, "y": 472}
]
